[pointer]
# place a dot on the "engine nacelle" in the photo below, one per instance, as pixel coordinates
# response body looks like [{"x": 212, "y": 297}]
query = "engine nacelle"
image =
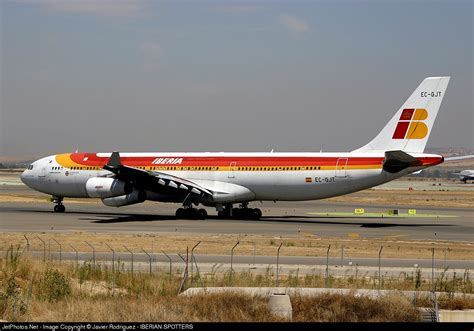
[
  {"x": 101, "y": 187},
  {"x": 125, "y": 200}
]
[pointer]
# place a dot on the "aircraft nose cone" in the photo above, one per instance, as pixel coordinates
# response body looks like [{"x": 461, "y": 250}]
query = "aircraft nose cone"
[
  {"x": 26, "y": 178},
  {"x": 22, "y": 176}
]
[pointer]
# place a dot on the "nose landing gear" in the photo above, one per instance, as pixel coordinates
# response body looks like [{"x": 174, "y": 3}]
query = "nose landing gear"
[{"x": 59, "y": 207}]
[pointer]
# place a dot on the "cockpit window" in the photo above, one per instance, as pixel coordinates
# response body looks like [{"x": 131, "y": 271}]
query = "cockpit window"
[{"x": 30, "y": 167}]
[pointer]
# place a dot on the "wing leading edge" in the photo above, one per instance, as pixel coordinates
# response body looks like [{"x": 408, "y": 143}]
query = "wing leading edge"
[{"x": 154, "y": 180}]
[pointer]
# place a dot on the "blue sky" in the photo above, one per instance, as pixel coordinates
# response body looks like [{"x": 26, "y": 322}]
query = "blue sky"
[{"x": 237, "y": 76}]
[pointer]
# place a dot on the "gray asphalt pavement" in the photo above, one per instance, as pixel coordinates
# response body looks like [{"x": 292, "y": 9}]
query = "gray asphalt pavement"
[{"x": 282, "y": 218}]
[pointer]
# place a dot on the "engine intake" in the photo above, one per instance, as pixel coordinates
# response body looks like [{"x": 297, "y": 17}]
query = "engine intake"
[
  {"x": 125, "y": 200},
  {"x": 101, "y": 187}
]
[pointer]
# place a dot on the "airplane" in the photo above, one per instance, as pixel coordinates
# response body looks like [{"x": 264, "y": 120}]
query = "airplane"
[
  {"x": 222, "y": 180},
  {"x": 465, "y": 175}
]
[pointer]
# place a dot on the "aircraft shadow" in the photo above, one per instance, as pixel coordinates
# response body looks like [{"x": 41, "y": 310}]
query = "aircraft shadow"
[
  {"x": 132, "y": 218},
  {"x": 97, "y": 217},
  {"x": 285, "y": 219},
  {"x": 377, "y": 222},
  {"x": 108, "y": 218}
]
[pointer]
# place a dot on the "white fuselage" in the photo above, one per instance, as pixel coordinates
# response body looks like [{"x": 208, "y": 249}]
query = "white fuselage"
[{"x": 236, "y": 177}]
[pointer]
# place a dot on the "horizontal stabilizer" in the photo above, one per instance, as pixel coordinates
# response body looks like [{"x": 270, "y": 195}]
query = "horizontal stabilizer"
[{"x": 396, "y": 161}]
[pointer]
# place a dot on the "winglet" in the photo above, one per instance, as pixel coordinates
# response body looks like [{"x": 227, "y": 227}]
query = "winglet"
[{"x": 114, "y": 160}]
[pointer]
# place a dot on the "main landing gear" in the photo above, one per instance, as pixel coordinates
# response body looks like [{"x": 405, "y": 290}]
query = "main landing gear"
[
  {"x": 59, "y": 207},
  {"x": 224, "y": 211},
  {"x": 244, "y": 212},
  {"x": 191, "y": 213}
]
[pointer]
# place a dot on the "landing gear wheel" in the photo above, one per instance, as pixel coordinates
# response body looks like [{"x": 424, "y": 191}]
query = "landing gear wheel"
[
  {"x": 252, "y": 214},
  {"x": 226, "y": 212},
  {"x": 180, "y": 213},
  {"x": 237, "y": 213},
  {"x": 202, "y": 213},
  {"x": 59, "y": 209},
  {"x": 246, "y": 213},
  {"x": 258, "y": 212},
  {"x": 191, "y": 213}
]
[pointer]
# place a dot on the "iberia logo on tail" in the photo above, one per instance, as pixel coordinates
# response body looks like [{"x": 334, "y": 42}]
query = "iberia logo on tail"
[{"x": 411, "y": 125}]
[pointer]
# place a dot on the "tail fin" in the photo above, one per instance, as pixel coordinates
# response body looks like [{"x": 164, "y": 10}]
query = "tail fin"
[{"x": 411, "y": 126}]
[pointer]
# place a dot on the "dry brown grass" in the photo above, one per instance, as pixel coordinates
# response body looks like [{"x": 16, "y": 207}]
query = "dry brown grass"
[
  {"x": 350, "y": 308},
  {"x": 98, "y": 294},
  {"x": 446, "y": 301},
  {"x": 227, "y": 307},
  {"x": 205, "y": 308}
]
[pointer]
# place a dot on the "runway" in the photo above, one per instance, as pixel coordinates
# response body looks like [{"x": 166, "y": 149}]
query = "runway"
[{"x": 282, "y": 218}]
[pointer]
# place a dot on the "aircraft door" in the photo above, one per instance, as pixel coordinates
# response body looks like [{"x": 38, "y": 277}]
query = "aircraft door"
[
  {"x": 341, "y": 167},
  {"x": 42, "y": 173},
  {"x": 231, "y": 173}
]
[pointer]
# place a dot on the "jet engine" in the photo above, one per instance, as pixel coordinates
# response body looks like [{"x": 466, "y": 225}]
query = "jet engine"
[
  {"x": 125, "y": 200},
  {"x": 101, "y": 187}
]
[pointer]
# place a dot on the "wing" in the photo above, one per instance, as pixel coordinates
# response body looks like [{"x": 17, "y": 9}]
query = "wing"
[{"x": 157, "y": 181}]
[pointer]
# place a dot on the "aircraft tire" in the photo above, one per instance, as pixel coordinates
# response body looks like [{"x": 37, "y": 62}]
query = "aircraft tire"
[
  {"x": 246, "y": 213},
  {"x": 258, "y": 212},
  {"x": 59, "y": 209},
  {"x": 252, "y": 214},
  {"x": 202, "y": 213},
  {"x": 180, "y": 213},
  {"x": 236, "y": 213}
]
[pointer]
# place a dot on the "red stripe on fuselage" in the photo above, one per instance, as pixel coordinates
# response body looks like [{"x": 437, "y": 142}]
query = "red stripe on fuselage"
[
  {"x": 94, "y": 160},
  {"x": 91, "y": 159}
]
